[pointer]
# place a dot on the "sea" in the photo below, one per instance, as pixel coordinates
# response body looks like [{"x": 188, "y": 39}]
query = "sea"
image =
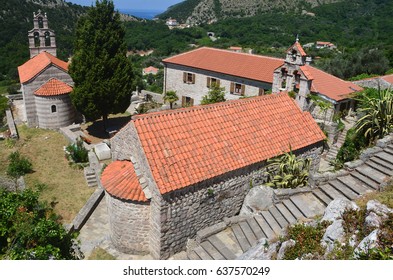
[{"x": 146, "y": 14}]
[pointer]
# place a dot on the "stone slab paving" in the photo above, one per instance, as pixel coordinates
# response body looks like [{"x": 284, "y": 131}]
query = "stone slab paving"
[
  {"x": 287, "y": 215},
  {"x": 279, "y": 218},
  {"x": 367, "y": 182},
  {"x": 221, "y": 247},
  {"x": 356, "y": 185},
  {"x": 241, "y": 238}
]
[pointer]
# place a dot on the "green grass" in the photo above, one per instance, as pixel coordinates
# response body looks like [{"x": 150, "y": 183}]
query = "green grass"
[{"x": 100, "y": 254}]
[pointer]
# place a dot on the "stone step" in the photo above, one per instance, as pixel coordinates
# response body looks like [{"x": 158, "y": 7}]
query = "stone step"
[
  {"x": 385, "y": 156},
  {"x": 389, "y": 150},
  {"x": 241, "y": 238},
  {"x": 278, "y": 217},
  {"x": 269, "y": 233},
  {"x": 193, "y": 256},
  {"x": 252, "y": 239},
  {"x": 308, "y": 204},
  {"x": 271, "y": 222},
  {"x": 331, "y": 192},
  {"x": 365, "y": 180},
  {"x": 373, "y": 174},
  {"x": 292, "y": 209},
  {"x": 221, "y": 247},
  {"x": 212, "y": 251},
  {"x": 379, "y": 168},
  {"x": 256, "y": 229},
  {"x": 342, "y": 188},
  {"x": 322, "y": 197},
  {"x": 382, "y": 162},
  {"x": 202, "y": 253},
  {"x": 228, "y": 237},
  {"x": 286, "y": 214},
  {"x": 357, "y": 186}
]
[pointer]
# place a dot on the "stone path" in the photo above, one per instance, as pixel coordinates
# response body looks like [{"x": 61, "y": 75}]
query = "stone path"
[
  {"x": 240, "y": 237},
  {"x": 331, "y": 155}
]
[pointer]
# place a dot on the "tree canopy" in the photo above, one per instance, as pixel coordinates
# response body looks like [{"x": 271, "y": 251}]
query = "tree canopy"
[
  {"x": 30, "y": 230},
  {"x": 100, "y": 69},
  {"x": 215, "y": 94}
]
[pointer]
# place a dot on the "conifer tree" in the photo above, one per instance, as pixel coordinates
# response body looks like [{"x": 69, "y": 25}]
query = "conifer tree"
[{"x": 100, "y": 69}]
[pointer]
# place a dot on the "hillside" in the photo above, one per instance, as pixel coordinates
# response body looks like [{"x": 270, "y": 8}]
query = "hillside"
[
  {"x": 16, "y": 19},
  {"x": 203, "y": 11}
]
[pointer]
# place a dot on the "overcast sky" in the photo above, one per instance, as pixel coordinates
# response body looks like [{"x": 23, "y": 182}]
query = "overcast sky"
[{"x": 155, "y": 5}]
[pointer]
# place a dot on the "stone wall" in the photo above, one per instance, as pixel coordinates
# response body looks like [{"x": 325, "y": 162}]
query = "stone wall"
[
  {"x": 31, "y": 86},
  {"x": 374, "y": 83},
  {"x": 64, "y": 115},
  {"x": 129, "y": 225},
  {"x": 173, "y": 80}
]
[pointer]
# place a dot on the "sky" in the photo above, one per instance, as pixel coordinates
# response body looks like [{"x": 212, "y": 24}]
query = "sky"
[{"x": 155, "y": 5}]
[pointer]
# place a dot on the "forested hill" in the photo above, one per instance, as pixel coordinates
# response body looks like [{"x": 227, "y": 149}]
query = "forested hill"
[
  {"x": 202, "y": 11},
  {"x": 16, "y": 19}
]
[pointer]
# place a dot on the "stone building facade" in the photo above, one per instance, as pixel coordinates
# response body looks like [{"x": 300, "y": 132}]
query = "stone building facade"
[
  {"x": 187, "y": 169},
  {"x": 52, "y": 107}
]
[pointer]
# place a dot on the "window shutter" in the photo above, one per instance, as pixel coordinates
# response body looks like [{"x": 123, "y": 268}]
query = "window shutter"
[
  {"x": 184, "y": 77},
  {"x": 243, "y": 89},
  {"x": 218, "y": 82},
  {"x": 261, "y": 92},
  {"x": 191, "y": 101},
  {"x": 183, "y": 101},
  {"x": 232, "y": 87},
  {"x": 208, "y": 80},
  {"x": 193, "y": 78}
]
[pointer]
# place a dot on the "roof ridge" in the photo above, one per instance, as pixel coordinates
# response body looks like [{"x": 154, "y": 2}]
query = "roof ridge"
[{"x": 207, "y": 106}]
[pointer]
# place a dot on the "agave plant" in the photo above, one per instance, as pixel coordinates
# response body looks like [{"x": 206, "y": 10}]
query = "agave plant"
[
  {"x": 288, "y": 171},
  {"x": 377, "y": 115}
]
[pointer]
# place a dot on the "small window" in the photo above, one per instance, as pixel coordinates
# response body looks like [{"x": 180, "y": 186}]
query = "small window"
[
  {"x": 238, "y": 89},
  {"x": 212, "y": 81},
  {"x": 187, "y": 101},
  {"x": 53, "y": 109},
  {"x": 188, "y": 78},
  {"x": 261, "y": 92}
]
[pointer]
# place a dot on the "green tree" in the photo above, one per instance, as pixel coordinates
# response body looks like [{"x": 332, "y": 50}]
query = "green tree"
[
  {"x": 215, "y": 94},
  {"x": 100, "y": 69},
  {"x": 171, "y": 97},
  {"x": 29, "y": 229}
]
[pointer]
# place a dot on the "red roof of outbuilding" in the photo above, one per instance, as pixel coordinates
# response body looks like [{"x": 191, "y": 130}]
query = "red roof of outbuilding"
[
  {"x": 53, "y": 87},
  {"x": 249, "y": 66},
  {"x": 35, "y": 65},
  {"x": 388, "y": 78},
  {"x": 329, "y": 85},
  {"x": 119, "y": 180},
  {"x": 187, "y": 146}
]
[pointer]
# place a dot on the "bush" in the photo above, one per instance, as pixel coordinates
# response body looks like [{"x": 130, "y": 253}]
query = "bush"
[
  {"x": 18, "y": 165},
  {"x": 354, "y": 143},
  {"x": 77, "y": 152}
]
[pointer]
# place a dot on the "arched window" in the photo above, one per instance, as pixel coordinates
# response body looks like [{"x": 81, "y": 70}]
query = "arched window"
[
  {"x": 47, "y": 39},
  {"x": 53, "y": 109},
  {"x": 37, "y": 39},
  {"x": 40, "y": 22}
]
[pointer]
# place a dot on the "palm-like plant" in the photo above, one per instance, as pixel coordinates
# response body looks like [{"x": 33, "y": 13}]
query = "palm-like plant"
[
  {"x": 171, "y": 97},
  {"x": 377, "y": 115},
  {"x": 288, "y": 171}
]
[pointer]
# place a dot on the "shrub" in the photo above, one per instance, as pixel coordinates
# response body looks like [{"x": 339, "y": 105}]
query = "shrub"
[
  {"x": 18, "y": 165},
  {"x": 77, "y": 152},
  {"x": 353, "y": 144}
]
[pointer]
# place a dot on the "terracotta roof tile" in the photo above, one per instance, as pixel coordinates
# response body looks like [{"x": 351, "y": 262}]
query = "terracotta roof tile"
[
  {"x": 119, "y": 180},
  {"x": 254, "y": 67},
  {"x": 329, "y": 85},
  {"x": 35, "y": 65},
  {"x": 299, "y": 47},
  {"x": 388, "y": 78},
  {"x": 214, "y": 139},
  {"x": 53, "y": 87}
]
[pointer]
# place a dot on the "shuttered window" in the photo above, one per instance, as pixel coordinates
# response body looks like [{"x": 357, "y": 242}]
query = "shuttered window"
[
  {"x": 212, "y": 81},
  {"x": 188, "y": 78},
  {"x": 238, "y": 89}
]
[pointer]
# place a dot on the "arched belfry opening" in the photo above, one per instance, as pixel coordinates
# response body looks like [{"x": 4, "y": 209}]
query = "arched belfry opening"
[{"x": 41, "y": 38}]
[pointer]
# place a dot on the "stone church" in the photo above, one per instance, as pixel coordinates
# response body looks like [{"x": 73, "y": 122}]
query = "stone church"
[
  {"x": 45, "y": 82},
  {"x": 176, "y": 172}
]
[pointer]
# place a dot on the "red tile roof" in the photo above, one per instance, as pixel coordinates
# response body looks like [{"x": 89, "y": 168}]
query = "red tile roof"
[
  {"x": 190, "y": 145},
  {"x": 38, "y": 63},
  {"x": 388, "y": 78},
  {"x": 254, "y": 67},
  {"x": 329, "y": 85},
  {"x": 53, "y": 87},
  {"x": 299, "y": 48},
  {"x": 119, "y": 180}
]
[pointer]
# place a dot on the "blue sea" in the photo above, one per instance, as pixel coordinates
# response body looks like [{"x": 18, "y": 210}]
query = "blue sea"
[{"x": 146, "y": 14}]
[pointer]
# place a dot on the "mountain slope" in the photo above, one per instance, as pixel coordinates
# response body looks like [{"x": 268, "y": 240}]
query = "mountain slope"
[
  {"x": 203, "y": 11},
  {"x": 16, "y": 19}
]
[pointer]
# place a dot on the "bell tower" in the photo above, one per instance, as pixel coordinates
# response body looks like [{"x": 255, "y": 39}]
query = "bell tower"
[{"x": 41, "y": 38}]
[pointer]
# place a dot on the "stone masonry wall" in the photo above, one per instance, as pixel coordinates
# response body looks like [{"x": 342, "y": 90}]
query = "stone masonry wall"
[
  {"x": 174, "y": 81},
  {"x": 129, "y": 225},
  {"x": 187, "y": 211}
]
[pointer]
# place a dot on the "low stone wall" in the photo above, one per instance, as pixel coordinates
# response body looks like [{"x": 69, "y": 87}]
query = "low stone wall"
[
  {"x": 129, "y": 225},
  {"x": 159, "y": 98},
  {"x": 11, "y": 125}
]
